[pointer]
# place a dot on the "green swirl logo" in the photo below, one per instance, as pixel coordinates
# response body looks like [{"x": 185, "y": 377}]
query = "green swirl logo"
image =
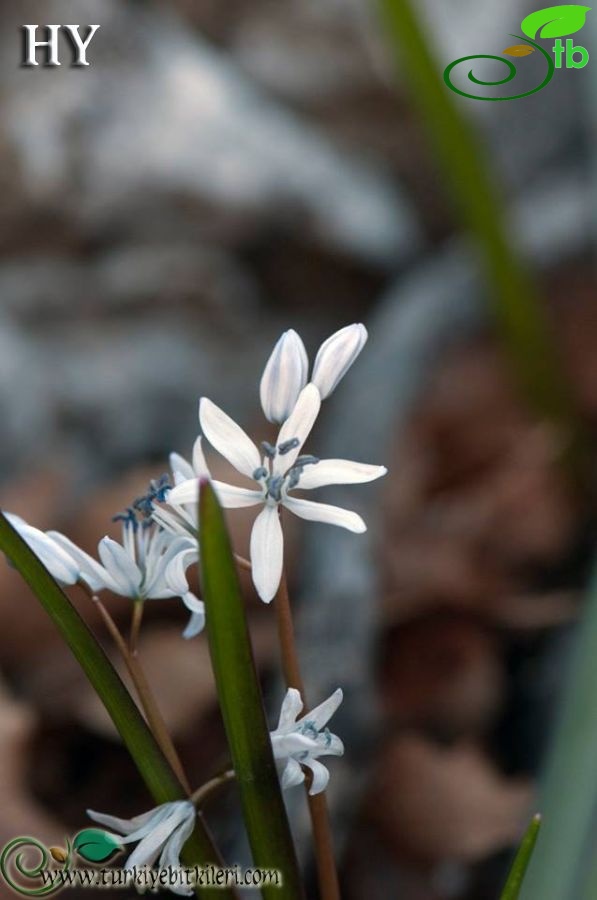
[
  {"x": 24, "y": 860},
  {"x": 553, "y": 22}
]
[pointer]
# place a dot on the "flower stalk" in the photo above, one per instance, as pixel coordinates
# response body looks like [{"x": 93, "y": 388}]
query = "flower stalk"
[{"x": 327, "y": 874}]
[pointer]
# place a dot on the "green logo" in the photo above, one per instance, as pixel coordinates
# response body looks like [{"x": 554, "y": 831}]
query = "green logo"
[
  {"x": 30, "y": 868},
  {"x": 553, "y": 22}
]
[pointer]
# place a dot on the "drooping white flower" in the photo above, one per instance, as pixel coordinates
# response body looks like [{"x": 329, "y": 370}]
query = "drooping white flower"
[
  {"x": 286, "y": 371},
  {"x": 162, "y": 832},
  {"x": 58, "y": 561},
  {"x": 280, "y": 470},
  {"x": 149, "y": 564},
  {"x": 301, "y": 743},
  {"x": 336, "y": 356}
]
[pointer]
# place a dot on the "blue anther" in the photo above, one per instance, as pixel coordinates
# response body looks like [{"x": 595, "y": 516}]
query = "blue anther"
[
  {"x": 268, "y": 449},
  {"x": 287, "y": 446}
]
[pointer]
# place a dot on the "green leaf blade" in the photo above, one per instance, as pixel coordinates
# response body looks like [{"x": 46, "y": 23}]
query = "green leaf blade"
[
  {"x": 151, "y": 764},
  {"x": 242, "y": 705},
  {"x": 555, "y": 21},
  {"x": 521, "y": 861}
]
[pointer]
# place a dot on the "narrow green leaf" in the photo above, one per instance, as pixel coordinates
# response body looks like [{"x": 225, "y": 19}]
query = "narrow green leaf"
[
  {"x": 151, "y": 764},
  {"x": 521, "y": 861},
  {"x": 241, "y": 703},
  {"x": 555, "y": 21}
]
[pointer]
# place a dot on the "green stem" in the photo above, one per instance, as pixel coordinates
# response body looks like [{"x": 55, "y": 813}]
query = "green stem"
[
  {"x": 241, "y": 704},
  {"x": 149, "y": 759},
  {"x": 521, "y": 861},
  {"x": 525, "y": 332}
]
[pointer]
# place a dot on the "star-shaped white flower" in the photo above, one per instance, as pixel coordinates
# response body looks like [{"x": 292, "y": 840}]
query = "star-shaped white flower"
[
  {"x": 162, "y": 832},
  {"x": 300, "y": 743},
  {"x": 277, "y": 472}
]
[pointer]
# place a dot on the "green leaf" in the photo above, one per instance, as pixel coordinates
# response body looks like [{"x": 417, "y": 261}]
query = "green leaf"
[
  {"x": 95, "y": 845},
  {"x": 521, "y": 861},
  {"x": 555, "y": 21},
  {"x": 149, "y": 759},
  {"x": 241, "y": 703}
]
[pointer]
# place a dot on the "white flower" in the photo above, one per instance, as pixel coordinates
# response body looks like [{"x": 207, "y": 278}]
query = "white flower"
[
  {"x": 59, "y": 563},
  {"x": 286, "y": 371},
  {"x": 174, "y": 517},
  {"x": 284, "y": 377},
  {"x": 149, "y": 564},
  {"x": 301, "y": 742},
  {"x": 277, "y": 472},
  {"x": 162, "y": 832},
  {"x": 336, "y": 356}
]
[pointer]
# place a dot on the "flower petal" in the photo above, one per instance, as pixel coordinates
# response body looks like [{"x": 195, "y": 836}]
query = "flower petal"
[
  {"x": 57, "y": 561},
  {"x": 89, "y": 569},
  {"x": 284, "y": 377},
  {"x": 292, "y": 775},
  {"x": 297, "y": 426},
  {"x": 228, "y": 438},
  {"x": 321, "y": 776},
  {"x": 181, "y": 469},
  {"x": 291, "y": 708},
  {"x": 338, "y": 471},
  {"x": 323, "y": 512},
  {"x": 322, "y": 714},
  {"x": 233, "y": 497},
  {"x": 197, "y": 621},
  {"x": 185, "y": 492},
  {"x": 119, "y": 565},
  {"x": 267, "y": 553},
  {"x": 199, "y": 463},
  {"x": 336, "y": 356}
]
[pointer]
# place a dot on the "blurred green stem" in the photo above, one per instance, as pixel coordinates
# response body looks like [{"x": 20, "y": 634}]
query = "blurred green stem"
[
  {"x": 525, "y": 332},
  {"x": 569, "y": 795},
  {"x": 329, "y": 887},
  {"x": 521, "y": 861}
]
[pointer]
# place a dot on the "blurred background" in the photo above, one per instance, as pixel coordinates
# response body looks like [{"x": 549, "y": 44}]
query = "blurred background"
[{"x": 222, "y": 172}]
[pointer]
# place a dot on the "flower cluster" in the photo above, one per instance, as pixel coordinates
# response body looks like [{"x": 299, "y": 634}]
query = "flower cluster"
[{"x": 159, "y": 543}]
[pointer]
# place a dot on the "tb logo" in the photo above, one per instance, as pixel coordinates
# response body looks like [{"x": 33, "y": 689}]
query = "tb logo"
[{"x": 49, "y": 44}]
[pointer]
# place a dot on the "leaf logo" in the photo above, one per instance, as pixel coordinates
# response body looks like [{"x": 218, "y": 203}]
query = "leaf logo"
[
  {"x": 95, "y": 845},
  {"x": 518, "y": 50},
  {"x": 555, "y": 21}
]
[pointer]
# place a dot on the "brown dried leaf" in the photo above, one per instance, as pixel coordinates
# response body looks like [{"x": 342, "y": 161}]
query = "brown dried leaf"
[{"x": 433, "y": 803}]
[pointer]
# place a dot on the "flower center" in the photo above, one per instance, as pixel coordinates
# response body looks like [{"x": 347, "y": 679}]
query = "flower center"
[{"x": 275, "y": 485}]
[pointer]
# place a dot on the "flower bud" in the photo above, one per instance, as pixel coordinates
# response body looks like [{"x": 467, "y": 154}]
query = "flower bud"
[
  {"x": 336, "y": 356},
  {"x": 284, "y": 377}
]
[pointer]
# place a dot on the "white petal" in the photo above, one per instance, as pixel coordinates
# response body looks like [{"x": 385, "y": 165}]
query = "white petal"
[
  {"x": 294, "y": 744},
  {"x": 322, "y": 714},
  {"x": 298, "y": 426},
  {"x": 197, "y": 609},
  {"x": 199, "y": 464},
  {"x": 291, "y": 708},
  {"x": 321, "y": 776},
  {"x": 228, "y": 438},
  {"x": 292, "y": 775},
  {"x": 57, "y": 561},
  {"x": 181, "y": 469},
  {"x": 336, "y": 356},
  {"x": 338, "y": 471},
  {"x": 284, "y": 377},
  {"x": 323, "y": 512},
  {"x": 185, "y": 492},
  {"x": 123, "y": 826},
  {"x": 267, "y": 553},
  {"x": 125, "y": 573},
  {"x": 89, "y": 569},
  {"x": 147, "y": 851},
  {"x": 175, "y": 574},
  {"x": 233, "y": 497}
]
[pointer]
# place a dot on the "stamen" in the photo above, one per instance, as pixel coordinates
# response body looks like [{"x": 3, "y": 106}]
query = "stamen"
[
  {"x": 158, "y": 491},
  {"x": 306, "y": 460},
  {"x": 260, "y": 473},
  {"x": 287, "y": 446},
  {"x": 268, "y": 449},
  {"x": 128, "y": 517},
  {"x": 274, "y": 487}
]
